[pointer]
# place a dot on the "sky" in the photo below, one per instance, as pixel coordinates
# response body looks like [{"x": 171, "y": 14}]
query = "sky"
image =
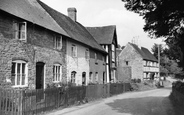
[{"x": 97, "y": 13}]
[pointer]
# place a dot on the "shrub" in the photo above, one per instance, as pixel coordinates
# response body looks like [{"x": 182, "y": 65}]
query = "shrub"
[{"x": 179, "y": 86}]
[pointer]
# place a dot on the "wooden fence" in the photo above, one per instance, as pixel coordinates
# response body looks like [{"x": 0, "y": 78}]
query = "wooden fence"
[{"x": 32, "y": 102}]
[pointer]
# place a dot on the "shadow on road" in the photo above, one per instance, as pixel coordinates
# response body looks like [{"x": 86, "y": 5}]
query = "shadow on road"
[{"x": 147, "y": 106}]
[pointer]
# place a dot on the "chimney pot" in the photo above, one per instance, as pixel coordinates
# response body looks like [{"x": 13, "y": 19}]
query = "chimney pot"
[{"x": 72, "y": 13}]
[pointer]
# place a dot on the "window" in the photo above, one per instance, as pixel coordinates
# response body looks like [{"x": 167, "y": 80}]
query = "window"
[
  {"x": 73, "y": 74},
  {"x": 126, "y": 62},
  {"x": 74, "y": 51},
  {"x": 83, "y": 78},
  {"x": 90, "y": 76},
  {"x": 19, "y": 73},
  {"x": 57, "y": 73},
  {"x": 58, "y": 42},
  {"x": 96, "y": 61},
  {"x": 20, "y": 29},
  {"x": 103, "y": 59},
  {"x": 96, "y": 76},
  {"x": 144, "y": 63},
  {"x": 87, "y": 54}
]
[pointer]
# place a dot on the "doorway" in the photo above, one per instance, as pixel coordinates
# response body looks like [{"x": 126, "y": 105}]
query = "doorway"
[
  {"x": 84, "y": 78},
  {"x": 40, "y": 75}
]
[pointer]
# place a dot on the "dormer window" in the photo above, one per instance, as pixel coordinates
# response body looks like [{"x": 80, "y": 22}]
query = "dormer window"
[{"x": 20, "y": 30}]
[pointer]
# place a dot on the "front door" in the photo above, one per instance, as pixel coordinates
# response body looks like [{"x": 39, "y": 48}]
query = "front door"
[{"x": 39, "y": 75}]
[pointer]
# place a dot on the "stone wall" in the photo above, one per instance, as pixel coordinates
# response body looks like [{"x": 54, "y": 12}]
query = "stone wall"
[
  {"x": 39, "y": 47},
  {"x": 11, "y": 50},
  {"x": 124, "y": 74},
  {"x": 134, "y": 59}
]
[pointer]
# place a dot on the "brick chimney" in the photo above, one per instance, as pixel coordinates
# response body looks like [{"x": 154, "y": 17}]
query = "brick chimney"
[{"x": 72, "y": 13}]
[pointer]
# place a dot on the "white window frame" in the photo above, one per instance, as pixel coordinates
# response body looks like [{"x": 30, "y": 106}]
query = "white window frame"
[
  {"x": 16, "y": 74},
  {"x": 57, "y": 73},
  {"x": 58, "y": 42},
  {"x": 19, "y": 32},
  {"x": 74, "y": 51}
]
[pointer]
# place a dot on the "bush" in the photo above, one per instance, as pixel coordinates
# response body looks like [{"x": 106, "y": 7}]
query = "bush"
[
  {"x": 179, "y": 86},
  {"x": 136, "y": 80}
]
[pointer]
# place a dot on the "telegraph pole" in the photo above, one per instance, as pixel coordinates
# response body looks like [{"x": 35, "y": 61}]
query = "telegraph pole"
[{"x": 159, "y": 63}]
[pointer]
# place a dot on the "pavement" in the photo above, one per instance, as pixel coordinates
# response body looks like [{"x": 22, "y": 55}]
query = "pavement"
[{"x": 152, "y": 102}]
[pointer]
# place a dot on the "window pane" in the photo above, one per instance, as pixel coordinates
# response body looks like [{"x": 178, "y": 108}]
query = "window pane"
[
  {"x": 18, "y": 68},
  {"x": 23, "y": 79},
  {"x": 23, "y": 68},
  {"x": 18, "y": 78}
]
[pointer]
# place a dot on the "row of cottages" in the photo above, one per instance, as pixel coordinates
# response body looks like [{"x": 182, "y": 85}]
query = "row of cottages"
[
  {"x": 143, "y": 64},
  {"x": 40, "y": 46}
]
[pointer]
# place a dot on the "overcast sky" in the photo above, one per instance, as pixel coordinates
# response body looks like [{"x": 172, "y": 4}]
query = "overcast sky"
[{"x": 93, "y": 13}]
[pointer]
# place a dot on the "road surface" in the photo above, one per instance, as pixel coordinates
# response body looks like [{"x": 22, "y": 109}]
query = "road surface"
[{"x": 152, "y": 102}]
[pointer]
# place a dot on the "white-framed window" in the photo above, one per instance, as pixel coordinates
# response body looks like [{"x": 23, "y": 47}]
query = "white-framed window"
[
  {"x": 20, "y": 30},
  {"x": 58, "y": 42},
  {"x": 74, "y": 51},
  {"x": 73, "y": 75},
  {"x": 19, "y": 73},
  {"x": 57, "y": 72},
  {"x": 87, "y": 54}
]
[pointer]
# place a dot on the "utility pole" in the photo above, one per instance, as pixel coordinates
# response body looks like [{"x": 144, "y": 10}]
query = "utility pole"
[{"x": 159, "y": 64}]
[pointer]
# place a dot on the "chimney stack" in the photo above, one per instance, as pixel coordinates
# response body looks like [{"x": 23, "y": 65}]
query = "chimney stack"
[{"x": 72, "y": 13}]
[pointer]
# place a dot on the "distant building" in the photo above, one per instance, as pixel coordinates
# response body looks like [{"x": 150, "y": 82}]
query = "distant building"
[
  {"x": 107, "y": 38},
  {"x": 143, "y": 64}
]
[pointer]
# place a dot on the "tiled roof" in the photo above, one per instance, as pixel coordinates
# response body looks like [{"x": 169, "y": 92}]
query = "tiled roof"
[
  {"x": 144, "y": 52},
  {"x": 103, "y": 35},
  {"x": 31, "y": 11},
  {"x": 74, "y": 29}
]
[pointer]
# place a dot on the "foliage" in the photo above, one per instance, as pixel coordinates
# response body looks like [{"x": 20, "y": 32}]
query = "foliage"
[
  {"x": 163, "y": 18},
  {"x": 167, "y": 66},
  {"x": 136, "y": 80},
  {"x": 179, "y": 86}
]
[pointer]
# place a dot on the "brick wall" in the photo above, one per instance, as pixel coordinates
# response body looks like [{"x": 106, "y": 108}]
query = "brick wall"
[
  {"x": 134, "y": 59},
  {"x": 98, "y": 67}
]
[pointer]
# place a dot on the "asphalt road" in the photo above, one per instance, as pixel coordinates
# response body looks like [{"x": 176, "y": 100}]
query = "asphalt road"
[{"x": 152, "y": 102}]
